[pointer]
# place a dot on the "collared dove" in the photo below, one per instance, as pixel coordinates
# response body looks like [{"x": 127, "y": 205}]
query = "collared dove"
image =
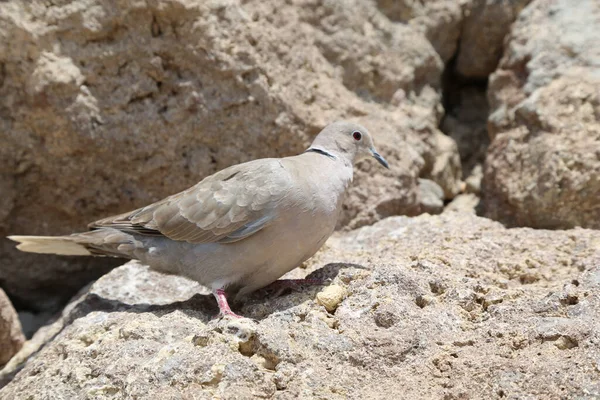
[{"x": 237, "y": 230}]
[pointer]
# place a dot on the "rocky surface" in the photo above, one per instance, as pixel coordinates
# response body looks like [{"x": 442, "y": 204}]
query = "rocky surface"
[
  {"x": 439, "y": 20},
  {"x": 451, "y": 306},
  {"x": 432, "y": 196},
  {"x": 11, "y": 335},
  {"x": 471, "y": 32},
  {"x": 108, "y": 106},
  {"x": 484, "y": 28},
  {"x": 543, "y": 166}
]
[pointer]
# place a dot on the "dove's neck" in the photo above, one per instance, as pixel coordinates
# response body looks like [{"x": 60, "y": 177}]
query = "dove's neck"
[
  {"x": 335, "y": 155},
  {"x": 334, "y": 147},
  {"x": 321, "y": 151},
  {"x": 335, "y": 165}
]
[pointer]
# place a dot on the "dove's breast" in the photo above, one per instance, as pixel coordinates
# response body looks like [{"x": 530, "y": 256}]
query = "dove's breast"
[{"x": 306, "y": 218}]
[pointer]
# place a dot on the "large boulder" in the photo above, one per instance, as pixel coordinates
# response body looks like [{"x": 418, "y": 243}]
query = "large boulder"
[
  {"x": 543, "y": 166},
  {"x": 450, "y": 306},
  {"x": 107, "y": 106}
]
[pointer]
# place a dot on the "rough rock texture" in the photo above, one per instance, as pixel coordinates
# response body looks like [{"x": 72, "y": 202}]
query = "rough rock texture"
[
  {"x": 11, "y": 335},
  {"x": 432, "y": 196},
  {"x": 543, "y": 166},
  {"x": 466, "y": 203},
  {"x": 439, "y": 20},
  {"x": 484, "y": 27},
  {"x": 106, "y": 106},
  {"x": 452, "y": 306},
  {"x": 471, "y": 31}
]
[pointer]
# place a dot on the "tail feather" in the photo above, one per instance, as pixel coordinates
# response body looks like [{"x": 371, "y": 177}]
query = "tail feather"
[
  {"x": 100, "y": 242},
  {"x": 63, "y": 245}
]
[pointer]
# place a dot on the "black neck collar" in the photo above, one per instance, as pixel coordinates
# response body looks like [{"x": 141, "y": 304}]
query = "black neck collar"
[{"x": 321, "y": 151}]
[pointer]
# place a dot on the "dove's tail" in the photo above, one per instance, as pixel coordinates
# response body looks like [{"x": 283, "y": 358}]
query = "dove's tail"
[
  {"x": 100, "y": 242},
  {"x": 63, "y": 245}
]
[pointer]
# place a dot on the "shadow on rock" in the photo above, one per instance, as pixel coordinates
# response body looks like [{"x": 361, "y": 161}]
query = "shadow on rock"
[
  {"x": 262, "y": 303},
  {"x": 257, "y": 305}
]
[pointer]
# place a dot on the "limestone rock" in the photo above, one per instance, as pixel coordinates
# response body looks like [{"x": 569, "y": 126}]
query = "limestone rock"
[
  {"x": 432, "y": 196},
  {"x": 473, "y": 181},
  {"x": 456, "y": 305},
  {"x": 543, "y": 165},
  {"x": 439, "y": 20},
  {"x": 105, "y": 107},
  {"x": 11, "y": 335},
  {"x": 331, "y": 297},
  {"x": 444, "y": 167},
  {"x": 483, "y": 30},
  {"x": 465, "y": 203}
]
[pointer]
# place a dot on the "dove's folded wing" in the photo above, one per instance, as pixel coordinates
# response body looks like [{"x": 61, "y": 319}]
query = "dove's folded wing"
[{"x": 226, "y": 207}]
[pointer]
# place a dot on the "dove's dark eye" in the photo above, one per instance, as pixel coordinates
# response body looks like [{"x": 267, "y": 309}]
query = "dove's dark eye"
[{"x": 357, "y": 135}]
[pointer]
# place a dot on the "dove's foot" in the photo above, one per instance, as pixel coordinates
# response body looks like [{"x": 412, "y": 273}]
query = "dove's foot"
[
  {"x": 278, "y": 287},
  {"x": 224, "y": 310}
]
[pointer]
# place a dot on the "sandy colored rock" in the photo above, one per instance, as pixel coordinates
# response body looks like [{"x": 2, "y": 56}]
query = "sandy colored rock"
[
  {"x": 543, "y": 165},
  {"x": 472, "y": 31},
  {"x": 444, "y": 167},
  {"x": 465, "y": 203},
  {"x": 473, "y": 181},
  {"x": 11, "y": 335},
  {"x": 432, "y": 196},
  {"x": 484, "y": 28},
  {"x": 141, "y": 100},
  {"x": 331, "y": 297},
  {"x": 439, "y": 20},
  {"x": 456, "y": 305}
]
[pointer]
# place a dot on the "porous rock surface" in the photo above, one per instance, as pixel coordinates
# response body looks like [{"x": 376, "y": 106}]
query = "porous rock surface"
[
  {"x": 107, "y": 106},
  {"x": 451, "y": 306},
  {"x": 543, "y": 165}
]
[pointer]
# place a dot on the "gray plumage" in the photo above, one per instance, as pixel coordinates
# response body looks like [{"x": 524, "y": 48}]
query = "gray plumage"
[{"x": 239, "y": 229}]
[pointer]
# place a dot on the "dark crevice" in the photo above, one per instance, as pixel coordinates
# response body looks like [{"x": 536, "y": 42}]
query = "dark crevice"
[
  {"x": 155, "y": 29},
  {"x": 453, "y": 83},
  {"x": 465, "y": 120},
  {"x": 2, "y": 74},
  {"x": 140, "y": 98}
]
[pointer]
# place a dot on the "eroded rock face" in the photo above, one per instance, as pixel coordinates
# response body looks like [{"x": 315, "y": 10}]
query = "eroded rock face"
[
  {"x": 543, "y": 166},
  {"x": 485, "y": 25},
  {"x": 450, "y": 306},
  {"x": 105, "y": 107},
  {"x": 440, "y": 20}
]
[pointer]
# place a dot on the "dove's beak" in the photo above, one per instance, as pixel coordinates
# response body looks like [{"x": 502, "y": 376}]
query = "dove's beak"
[{"x": 380, "y": 159}]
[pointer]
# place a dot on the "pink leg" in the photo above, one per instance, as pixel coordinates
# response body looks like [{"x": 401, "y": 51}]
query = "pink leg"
[{"x": 224, "y": 309}]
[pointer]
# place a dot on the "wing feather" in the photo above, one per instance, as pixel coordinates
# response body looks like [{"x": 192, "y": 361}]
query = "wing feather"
[{"x": 225, "y": 207}]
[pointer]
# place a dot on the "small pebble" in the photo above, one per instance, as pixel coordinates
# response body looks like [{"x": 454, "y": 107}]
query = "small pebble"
[{"x": 331, "y": 297}]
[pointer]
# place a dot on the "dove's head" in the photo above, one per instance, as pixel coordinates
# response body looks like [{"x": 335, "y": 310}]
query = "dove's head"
[{"x": 348, "y": 141}]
